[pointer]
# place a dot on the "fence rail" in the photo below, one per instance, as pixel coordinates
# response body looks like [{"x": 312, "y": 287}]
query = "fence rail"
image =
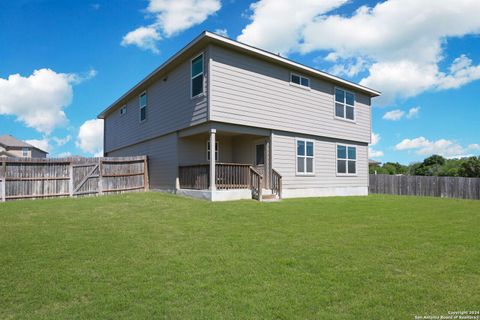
[
  {"x": 44, "y": 178},
  {"x": 448, "y": 187}
]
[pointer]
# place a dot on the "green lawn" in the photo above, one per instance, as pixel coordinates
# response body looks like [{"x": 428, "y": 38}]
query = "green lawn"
[{"x": 154, "y": 255}]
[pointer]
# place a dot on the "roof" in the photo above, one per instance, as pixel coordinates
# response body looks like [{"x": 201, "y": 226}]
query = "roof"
[
  {"x": 207, "y": 37},
  {"x": 12, "y": 142}
]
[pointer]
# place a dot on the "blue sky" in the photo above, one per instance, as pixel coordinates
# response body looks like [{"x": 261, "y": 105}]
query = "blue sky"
[{"x": 63, "y": 62}]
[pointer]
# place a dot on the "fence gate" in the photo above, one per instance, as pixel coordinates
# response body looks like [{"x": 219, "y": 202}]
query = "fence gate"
[{"x": 41, "y": 178}]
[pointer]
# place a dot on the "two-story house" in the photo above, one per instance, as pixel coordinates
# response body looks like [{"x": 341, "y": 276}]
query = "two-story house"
[
  {"x": 12, "y": 147},
  {"x": 223, "y": 120}
]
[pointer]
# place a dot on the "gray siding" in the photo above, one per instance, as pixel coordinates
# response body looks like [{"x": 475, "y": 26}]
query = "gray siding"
[
  {"x": 193, "y": 150},
  {"x": 169, "y": 108},
  {"x": 284, "y": 161},
  {"x": 32, "y": 152},
  {"x": 249, "y": 91},
  {"x": 233, "y": 149},
  {"x": 38, "y": 154},
  {"x": 162, "y": 160}
]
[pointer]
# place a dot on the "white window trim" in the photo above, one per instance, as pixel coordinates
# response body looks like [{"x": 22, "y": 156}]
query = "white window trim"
[
  {"x": 198, "y": 75},
  {"x": 336, "y": 160},
  {"x": 344, "y": 106},
  {"x": 141, "y": 107},
  {"x": 299, "y": 85},
  {"x": 27, "y": 150},
  {"x": 124, "y": 107},
  {"x": 305, "y": 156},
  {"x": 217, "y": 151}
]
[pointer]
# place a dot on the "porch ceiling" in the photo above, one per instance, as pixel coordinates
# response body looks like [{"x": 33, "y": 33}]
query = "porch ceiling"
[{"x": 224, "y": 129}]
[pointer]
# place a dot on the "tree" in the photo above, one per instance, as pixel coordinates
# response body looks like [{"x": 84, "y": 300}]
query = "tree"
[
  {"x": 431, "y": 166},
  {"x": 470, "y": 167}
]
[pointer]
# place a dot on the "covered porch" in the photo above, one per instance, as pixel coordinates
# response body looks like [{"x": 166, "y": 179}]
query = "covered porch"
[{"x": 238, "y": 167}]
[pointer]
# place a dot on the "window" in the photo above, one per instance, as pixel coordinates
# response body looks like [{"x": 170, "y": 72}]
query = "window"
[
  {"x": 143, "y": 106},
  {"x": 25, "y": 152},
  {"x": 260, "y": 154},
  {"x": 344, "y": 104},
  {"x": 305, "y": 157},
  {"x": 123, "y": 110},
  {"x": 197, "y": 76},
  {"x": 208, "y": 151},
  {"x": 301, "y": 81},
  {"x": 346, "y": 160}
]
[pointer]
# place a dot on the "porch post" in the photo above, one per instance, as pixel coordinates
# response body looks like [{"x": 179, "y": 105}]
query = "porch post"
[{"x": 213, "y": 186}]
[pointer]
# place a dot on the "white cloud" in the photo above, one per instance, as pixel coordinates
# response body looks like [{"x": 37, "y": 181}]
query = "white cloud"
[
  {"x": 402, "y": 40},
  {"x": 42, "y": 144},
  {"x": 461, "y": 72},
  {"x": 62, "y": 141},
  {"x": 394, "y": 115},
  {"x": 375, "y": 138},
  {"x": 64, "y": 155},
  {"x": 174, "y": 16},
  {"x": 372, "y": 153},
  {"x": 39, "y": 100},
  {"x": 144, "y": 37},
  {"x": 474, "y": 146},
  {"x": 349, "y": 69},
  {"x": 278, "y": 25},
  {"x": 222, "y": 32},
  {"x": 413, "y": 113},
  {"x": 400, "y": 79},
  {"x": 443, "y": 147},
  {"x": 171, "y": 17},
  {"x": 90, "y": 137}
]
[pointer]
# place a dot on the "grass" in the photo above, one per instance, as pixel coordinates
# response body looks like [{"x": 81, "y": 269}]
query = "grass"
[{"x": 152, "y": 255}]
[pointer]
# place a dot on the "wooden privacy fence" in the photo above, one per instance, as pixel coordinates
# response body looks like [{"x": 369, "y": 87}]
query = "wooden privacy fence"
[
  {"x": 448, "y": 187},
  {"x": 43, "y": 178}
]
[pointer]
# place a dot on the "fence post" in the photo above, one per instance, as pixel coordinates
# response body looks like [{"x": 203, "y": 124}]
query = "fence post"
[
  {"x": 70, "y": 181},
  {"x": 145, "y": 174},
  {"x": 4, "y": 179},
  {"x": 100, "y": 176}
]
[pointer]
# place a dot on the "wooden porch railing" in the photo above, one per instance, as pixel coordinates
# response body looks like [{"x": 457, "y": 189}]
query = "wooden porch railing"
[
  {"x": 232, "y": 176},
  {"x": 277, "y": 183},
  {"x": 227, "y": 176},
  {"x": 194, "y": 177},
  {"x": 256, "y": 184}
]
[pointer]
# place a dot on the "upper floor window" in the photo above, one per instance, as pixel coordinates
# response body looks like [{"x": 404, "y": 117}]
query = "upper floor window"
[
  {"x": 25, "y": 152},
  {"x": 301, "y": 81},
  {"x": 346, "y": 160},
  {"x": 123, "y": 110},
  {"x": 305, "y": 157},
  {"x": 197, "y": 76},
  {"x": 143, "y": 106},
  {"x": 208, "y": 150},
  {"x": 344, "y": 104}
]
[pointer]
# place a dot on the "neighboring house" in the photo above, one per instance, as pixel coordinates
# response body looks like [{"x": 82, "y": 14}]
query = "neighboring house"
[
  {"x": 12, "y": 147},
  {"x": 226, "y": 112}
]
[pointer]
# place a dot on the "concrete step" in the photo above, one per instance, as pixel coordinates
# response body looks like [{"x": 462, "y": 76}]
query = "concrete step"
[{"x": 269, "y": 197}]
